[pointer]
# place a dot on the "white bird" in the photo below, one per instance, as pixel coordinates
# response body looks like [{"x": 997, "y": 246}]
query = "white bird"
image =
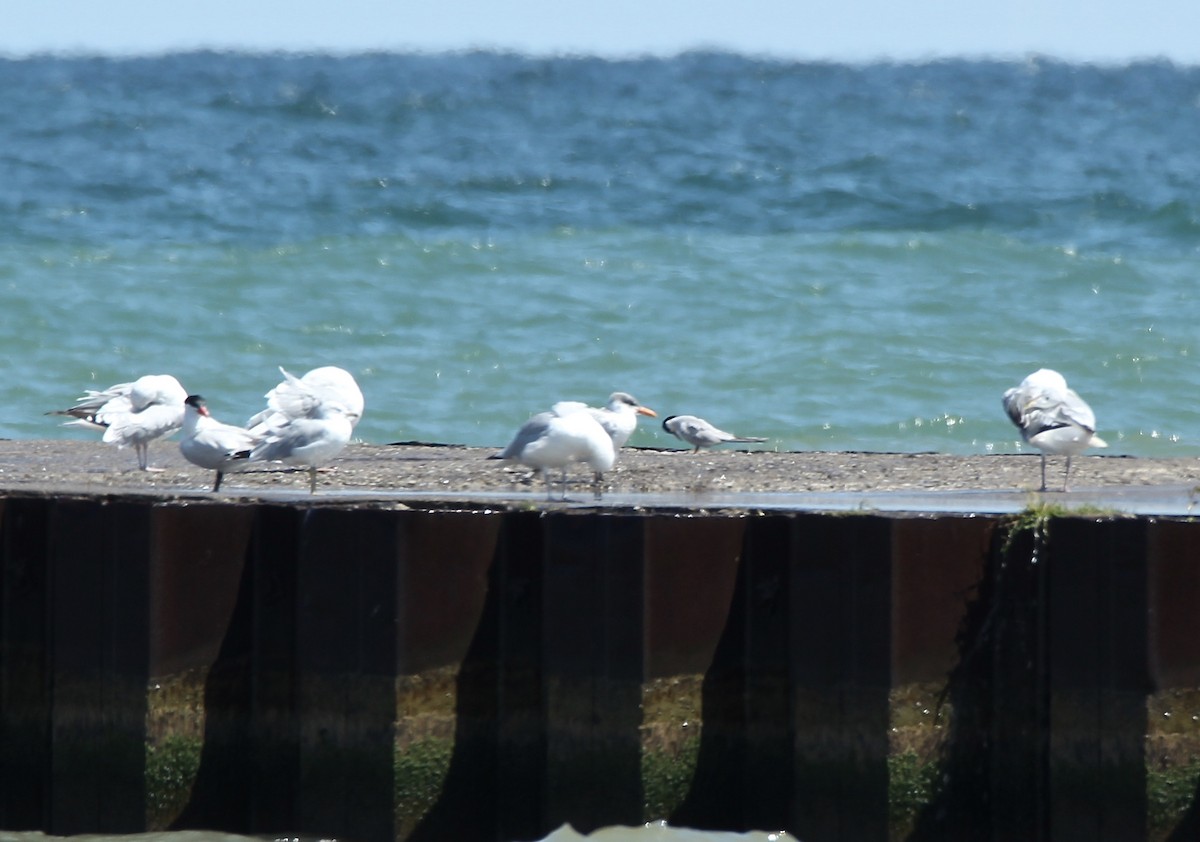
[
  {"x": 567, "y": 433},
  {"x": 210, "y": 444},
  {"x": 310, "y": 439},
  {"x": 134, "y": 413},
  {"x": 1052, "y": 418},
  {"x": 699, "y": 433},
  {"x": 327, "y": 384},
  {"x": 619, "y": 416}
]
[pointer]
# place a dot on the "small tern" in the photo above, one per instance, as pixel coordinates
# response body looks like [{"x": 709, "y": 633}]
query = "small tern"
[{"x": 699, "y": 433}]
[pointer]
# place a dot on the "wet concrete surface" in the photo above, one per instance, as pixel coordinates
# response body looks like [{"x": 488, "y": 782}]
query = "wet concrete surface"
[{"x": 718, "y": 479}]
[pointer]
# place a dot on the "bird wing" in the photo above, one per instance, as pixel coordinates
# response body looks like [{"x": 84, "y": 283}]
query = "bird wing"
[
  {"x": 293, "y": 397},
  {"x": 214, "y": 445},
  {"x": 697, "y": 431},
  {"x": 336, "y": 385},
  {"x": 532, "y": 430},
  {"x": 156, "y": 389},
  {"x": 1036, "y": 409},
  {"x": 228, "y": 439},
  {"x": 96, "y": 406},
  {"x": 128, "y": 428},
  {"x": 307, "y": 441},
  {"x": 1075, "y": 410}
]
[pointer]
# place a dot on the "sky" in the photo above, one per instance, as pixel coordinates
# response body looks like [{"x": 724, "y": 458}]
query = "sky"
[{"x": 1103, "y": 31}]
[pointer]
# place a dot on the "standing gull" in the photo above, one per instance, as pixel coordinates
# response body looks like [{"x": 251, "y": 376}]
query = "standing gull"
[
  {"x": 699, "y": 433},
  {"x": 134, "y": 413},
  {"x": 1052, "y": 418},
  {"x": 567, "y": 433},
  {"x": 319, "y": 430},
  {"x": 210, "y": 444}
]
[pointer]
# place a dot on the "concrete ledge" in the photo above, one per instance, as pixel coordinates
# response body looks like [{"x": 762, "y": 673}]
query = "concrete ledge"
[{"x": 864, "y": 481}]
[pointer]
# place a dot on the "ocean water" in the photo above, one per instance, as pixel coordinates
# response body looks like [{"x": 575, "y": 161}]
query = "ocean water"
[{"x": 836, "y": 257}]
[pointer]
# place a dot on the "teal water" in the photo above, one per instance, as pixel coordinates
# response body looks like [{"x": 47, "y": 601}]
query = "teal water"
[{"x": 836, "y": 257}]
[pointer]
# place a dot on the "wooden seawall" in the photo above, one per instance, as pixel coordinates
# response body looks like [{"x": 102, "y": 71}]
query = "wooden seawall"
[{"x": 372, "y": 672}]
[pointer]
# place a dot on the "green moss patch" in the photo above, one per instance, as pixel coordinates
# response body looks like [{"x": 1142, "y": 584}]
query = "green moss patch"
[{"x": 171, "y": 768}]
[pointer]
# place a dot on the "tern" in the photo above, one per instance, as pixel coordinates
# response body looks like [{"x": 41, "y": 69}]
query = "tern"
[
  {"x": 619, "y": 416},
  {"x": 132, "y": 414},
  {"x": 210, "y": 444},
  {"x": 699, "y": 433},
  {"x": 567, "y": 433},
  {"x": 1052, "y": 418}
]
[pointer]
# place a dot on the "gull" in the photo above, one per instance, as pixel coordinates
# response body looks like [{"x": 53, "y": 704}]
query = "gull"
[
  {"x": 1052, "y": 418},
  {"x": 619, "y": 416},
  {"x": 133, "y": 413},
  {"x": 699, "y": 433},
  {"x": 210, "y": 444},
  {"x": 567, "y": 433},
  {"x": 319, "y": 431},
  {"x": 297, "y": 397}
]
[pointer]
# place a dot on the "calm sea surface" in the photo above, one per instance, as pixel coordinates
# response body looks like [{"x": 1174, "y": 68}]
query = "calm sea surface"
[{"x": 837, "y": 257}]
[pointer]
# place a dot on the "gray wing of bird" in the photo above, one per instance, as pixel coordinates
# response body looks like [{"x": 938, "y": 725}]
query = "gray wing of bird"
[
  {"x": 1069, "y": 408},
  {"x": 96, "y": 407},
  {"x": 530, "y": 431},
  {"x": 1036, "y": 410},
  {"x": 697, "y": 431}
]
